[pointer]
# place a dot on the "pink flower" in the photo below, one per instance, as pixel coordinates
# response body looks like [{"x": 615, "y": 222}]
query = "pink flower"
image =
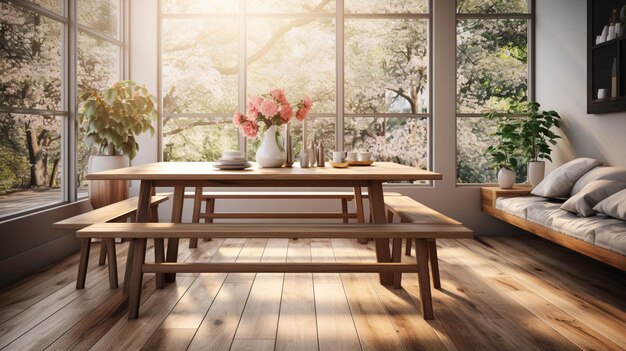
[
  {"x": 279, "y": 95},
  {"x": 286, "y": 112},
  {"x": 254, "y": 106},
  {"x": 269, "y": 108},
  {"x": 249, "y": 128},
  {"x": 303, "y": 109},
  {"x": 238, "y": 118}
]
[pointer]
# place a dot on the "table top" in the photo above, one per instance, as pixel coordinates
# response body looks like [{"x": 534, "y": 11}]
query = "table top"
[{"x": 379, "y": 171}]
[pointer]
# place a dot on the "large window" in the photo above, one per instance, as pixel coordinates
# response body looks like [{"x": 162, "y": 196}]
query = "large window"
[
  {"x": 493, "y": 74},
  {"x": 37, "y": 108},
  {"x": 364, "y": 64}
]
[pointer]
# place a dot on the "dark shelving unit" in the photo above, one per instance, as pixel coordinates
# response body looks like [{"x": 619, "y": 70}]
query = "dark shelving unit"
[{"x": 600, "y": 58}]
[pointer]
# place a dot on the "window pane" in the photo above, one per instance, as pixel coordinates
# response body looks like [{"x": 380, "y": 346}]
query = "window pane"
[
  {"x": 320, "y": 129},
  {"x": 295, "y": 55},
  {"x": 101, "y": 15},
  {"x": 386, "y": 66},
  {"x": 290, "y": 6},
  {"x": 473, "y": 138},
  {"x": 30, "y": 162},
  {"x": 492, "y": 65},
  {"x": 199, "y": 66},
  {"x": 402, "y": 139},
  {"x": 54, "y": 5},
  {"x": 197, "y": 139},
  {"x": 386, "y": 6},
  {"x": 30, "y": 59},
  {"x": 492, "y": 6},
  {"x": 203, "y": 6},
  {"x": 98, "y": 63}
]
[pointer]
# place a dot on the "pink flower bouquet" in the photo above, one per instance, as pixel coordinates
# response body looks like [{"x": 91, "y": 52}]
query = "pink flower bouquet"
[{"x": 270, "y": 109}]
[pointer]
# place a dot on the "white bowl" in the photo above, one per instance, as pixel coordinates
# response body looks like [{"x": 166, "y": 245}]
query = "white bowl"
[{"x": 364, "y": 156}]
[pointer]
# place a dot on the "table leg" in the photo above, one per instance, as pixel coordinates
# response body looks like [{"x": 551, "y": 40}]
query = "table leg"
[
  {"x": 434, "y": 262},
  {"x": 209, "y": 207},
  {"x": 85, "y": 247},
  {"x": 197, "y": 206},
  {"x": 177, "y": 217},
  {"x": 360, "y": 211},
  {"x": 421, "y": 253},
  {"x": 143, "y": 215},
  {"x": 377, "y": 208},
  {"x": 112, "y": 256},
  {"x": 344, "y": 209}
]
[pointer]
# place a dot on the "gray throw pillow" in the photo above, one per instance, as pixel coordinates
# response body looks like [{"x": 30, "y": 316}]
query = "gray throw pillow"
[
  {"x": 598, "y": 173},
  {"x": 559, "y": 182},
  {"x": 596, "y": 191},
  {"x": 614, "y": 206}
]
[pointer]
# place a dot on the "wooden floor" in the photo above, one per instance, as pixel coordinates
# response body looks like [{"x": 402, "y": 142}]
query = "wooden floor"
[{"x": 499, "y": 293}]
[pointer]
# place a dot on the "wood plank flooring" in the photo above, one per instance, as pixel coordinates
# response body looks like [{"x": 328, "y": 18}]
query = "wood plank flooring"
[{"x": 498, "y": 293}]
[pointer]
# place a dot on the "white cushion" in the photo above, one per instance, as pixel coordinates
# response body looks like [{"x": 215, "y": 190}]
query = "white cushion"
[
  {"x": 614, "y": 205},
  {"x": 583, "y": 228},
  {"x": 598, "y": 173},
  {"x": 559, "y": 183},
  {"x": 583, "y": 202},
  {"x": 542, "y": 212},
  {"x": 517, "y": 205},
  {"x": 612, "y": 237}
]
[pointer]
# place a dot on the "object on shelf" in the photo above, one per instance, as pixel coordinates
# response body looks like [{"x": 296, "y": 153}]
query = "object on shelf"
[
  {"x": 614, "y": 79},
  {"x": 304, "y": 158},
  {"x": 288, "y": 147},
  {"x": 603, "y": 93},
  {"x": 320, "y": 155}
]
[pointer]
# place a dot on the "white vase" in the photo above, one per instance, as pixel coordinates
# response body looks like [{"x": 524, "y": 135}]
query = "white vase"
[
  {"x": 506, "y": 178},
  {"x": 269, "y": 155},
  {"x": 536, "y": 172}
]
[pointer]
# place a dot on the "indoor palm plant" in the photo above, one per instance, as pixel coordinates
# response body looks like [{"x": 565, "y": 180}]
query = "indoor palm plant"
[
  {"x": 505, "y": 153},
  {"x": 110, "y": 119},
  {"x": 536, "y": 140}
]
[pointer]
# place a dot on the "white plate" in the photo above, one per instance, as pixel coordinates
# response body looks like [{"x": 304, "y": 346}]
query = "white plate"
[
  {"x": 233, "y": 167},
  {"x": 240, "y": 161}
]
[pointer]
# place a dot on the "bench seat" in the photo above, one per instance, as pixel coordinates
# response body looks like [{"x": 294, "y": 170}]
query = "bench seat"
[
  {"x": 140, "y": 232},
  {"x": 119, "y": 211}
]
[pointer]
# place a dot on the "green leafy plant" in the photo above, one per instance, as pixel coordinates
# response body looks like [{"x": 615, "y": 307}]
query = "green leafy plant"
[
  {"x": 112, "y": 118},
  {"x": 505, "y": 153},
  {"x": 536, "y": 136}
]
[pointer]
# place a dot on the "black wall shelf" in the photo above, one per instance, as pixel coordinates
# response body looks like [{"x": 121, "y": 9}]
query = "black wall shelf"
[{"x": 600, "y": 58}]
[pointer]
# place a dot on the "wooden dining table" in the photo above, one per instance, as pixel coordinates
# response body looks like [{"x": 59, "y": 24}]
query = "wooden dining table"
[{"x": 180, "y": 175}]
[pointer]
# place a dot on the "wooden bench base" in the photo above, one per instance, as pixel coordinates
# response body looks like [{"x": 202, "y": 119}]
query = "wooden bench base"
[{"x": 140, "y": 232}]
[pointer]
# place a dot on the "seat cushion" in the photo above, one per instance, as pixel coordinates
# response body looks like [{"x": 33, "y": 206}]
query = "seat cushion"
[
  {"x": 542, "y": 212},
  {"x": 583, "y": 228},
  {"x": 612, "y": 237},
  {"x": 599, "y": 173},
  {"x": 517, "y": 205},
  {"x": 559, "y": 183},
  {"x": 583, "y": 202}
]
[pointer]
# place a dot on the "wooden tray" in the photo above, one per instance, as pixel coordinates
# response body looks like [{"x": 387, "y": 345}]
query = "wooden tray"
[
  {"x": 360, "y": 163},
  {"x": 339, "y": 165}
]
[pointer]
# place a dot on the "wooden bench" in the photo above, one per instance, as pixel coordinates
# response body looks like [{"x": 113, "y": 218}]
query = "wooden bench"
[
  {"x": 411, "y": 211},
  {"x": 119, "y": 211},
  {"x": 209, "y": 198},
  {"x": 140, "y": 232}
]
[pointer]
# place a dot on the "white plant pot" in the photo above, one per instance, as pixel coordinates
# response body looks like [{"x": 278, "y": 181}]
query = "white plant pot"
[
  {"x": 536, "y": 172},
  {"x": 506, "y": 178},
  {"x": 106, "y": 192},
  {"x": 269, "y": 155}
]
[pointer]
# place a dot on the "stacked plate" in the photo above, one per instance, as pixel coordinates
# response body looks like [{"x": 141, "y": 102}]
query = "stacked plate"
[{"x": 232, "y": 160}]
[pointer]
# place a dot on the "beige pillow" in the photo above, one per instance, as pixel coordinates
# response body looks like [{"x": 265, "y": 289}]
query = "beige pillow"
[
  {"x": 614, "y": 206},
  {"x": 559, "y": 182},
  {"x": 596, "y": 191},
  {"x": 598, "y": 173}
]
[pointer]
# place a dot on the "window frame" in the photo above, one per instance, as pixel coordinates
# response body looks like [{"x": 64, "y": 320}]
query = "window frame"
[
  {"x": 339, "y": 16},
  {"x": 67, "y": 18},
  {"x": 530, "y": 18}
]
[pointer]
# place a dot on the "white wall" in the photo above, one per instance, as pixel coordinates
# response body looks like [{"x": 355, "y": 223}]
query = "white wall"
[
  {"x": 462, "y": 203},
  {"x": 562, "y": 82}
]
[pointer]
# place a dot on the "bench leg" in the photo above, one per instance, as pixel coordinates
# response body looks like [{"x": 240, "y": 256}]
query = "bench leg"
[
  {"x": 344, "y": 210},
  {"x": 209, "y": 207},
  {"x": 396, "y": 256},
  {"x": 139, "y": 258},
  {"x": 85, "y": 246},
  {"x": 434, "y": 263},
  {"x": 408, "y": 247},
  {"x": 129, "y": 263},
  {"x": 421, "y": 253},
  {"x": 112, "y": 257},
  {"x": 159, "y": 257},
  {"x": 103, "y": 254}
]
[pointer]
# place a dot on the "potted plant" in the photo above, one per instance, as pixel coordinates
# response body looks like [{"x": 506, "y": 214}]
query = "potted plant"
[
  {"x": 504, "y": 154},
  {"x": 536, "y": 140},
  {"x": 110, "y": 120}
]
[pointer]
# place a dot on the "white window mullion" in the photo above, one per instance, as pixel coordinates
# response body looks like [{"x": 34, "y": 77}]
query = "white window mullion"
[
  {"x": 339, "y": 80},
  {"x": 242, "y": 79}
]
